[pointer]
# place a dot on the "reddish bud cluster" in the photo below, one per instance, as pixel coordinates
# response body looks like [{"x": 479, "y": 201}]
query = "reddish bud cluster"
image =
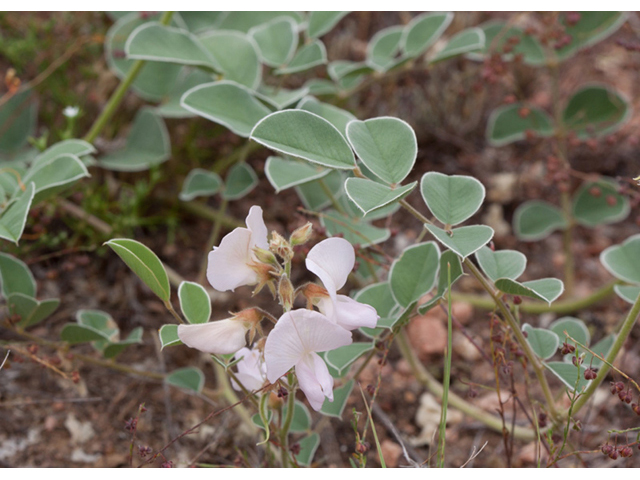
[
  {"x": 131, "y": 424},
  {"x": 590, "y": 373},
  {"x": 567, "y": 349},
  {"x": 143, "y": 451}
]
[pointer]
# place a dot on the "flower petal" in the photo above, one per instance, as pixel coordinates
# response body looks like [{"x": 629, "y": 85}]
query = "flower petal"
[
  {"x": 348, "y": 313},
  {"x": 315, "y": 380},
  {"x": 296, "y": 334},
  {"x": 221, "y": 337},
  {"x": 248, "y": 381},
  {"x": 228, "y": 267},
  {"x": 332, "y": 260},
  {"x": 258, "y": 229}
]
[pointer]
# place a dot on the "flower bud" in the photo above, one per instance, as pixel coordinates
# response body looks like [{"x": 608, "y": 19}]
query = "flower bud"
[
  {"x": 567, "y": 349},
  {"x": 280, "y": 246},
  {"x": 606, "y": 449},
  {"x": 286, "y": 292},
  {"x": 626, "y": 452},
  {"x": 265, "y": 256},
  {"x": 590, "y": 374},
  {"x": 301, "y": 235}
]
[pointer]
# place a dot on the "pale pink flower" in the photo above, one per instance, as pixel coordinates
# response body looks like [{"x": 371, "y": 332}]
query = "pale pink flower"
[
  {"x": 252, "y": 370},
  {"x": 294, "y": 342},
  {"x": 221, "y": 337},
  {"x": 332, "y": 260},
  {"x": 229, "y": 264}
]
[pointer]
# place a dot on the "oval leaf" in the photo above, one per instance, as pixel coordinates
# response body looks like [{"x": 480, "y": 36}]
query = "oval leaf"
[
  {"x": 285, "y": 173},
  {"x": 240, "y": 180},
  {"x": 414, "y": 273},
  {"x": 595, "y": 110},
  {"x": 14, "y": 218},
  {"x": 337, "y": 117},
  {"x": 501, "y": 264},
  {"x": 340, "y": 397},
  {"x": 423, "y": 31},
  {"x": 386, "y": 145},
  {"x": 623, "y": 261},
  {"x": 52, "y": 176},
  {"x": 543, "y": 342},
  {"x": 451, "y": 198},
  {"x": 629, "y": 293},
  {"x": 536, "y": 220},
  {"x": 574, "y": 327},
  {"x": 569, "y": 374},
  {"x": 464, "y": 240},
  {"x": 189, "y": 378},
  {"x": 15, "y": 277},
  {"x": 194, "y": 302},
  {"x": 236, "y": 56},
  {"x": 30, "y": 310},
  {"x": 200, "y": 183},
  {"x": 599, "y": 203},
  {"x": 469, "y": 40},
  {"x": 342, "y": 358},
  {"x": 309, "y": 56},
  {"x": 144, "y": 263},
  {"x": 510, "y": 123},
  {"x": 169, "y": 336},
  {"x": 384, "y": 47},
  {"x": 305, "y": 135},
  {"x": 226, "y": 103},
  {"x": 354, "y": 230},
  {"x": 448, "y": 260},
  {"x": 545, "y": 289},
  {"x": 370, "y": 196},
  {"x": 322, "y": 22}
]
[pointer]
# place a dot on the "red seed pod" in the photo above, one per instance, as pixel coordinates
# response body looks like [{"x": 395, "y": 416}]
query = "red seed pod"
[
  {"x": 626, "y": 452},
  {"x": 613, "y": 455},
  {"x": 295, "y": 449},
  {"x": 362, "y": 447},
  {"x": 628, "y": 397},
  {"x": 590, "y": 374},
  {"x": 619, "y": 386},
  {"x": 517, "y": 299},
  {"x": 75, "y": 376},
  {"x": 607, "y": 449},
  {"x": 636, "y": 408},
  {"x": 371, "y": 390},
  {"x": 567, "y": 349}
]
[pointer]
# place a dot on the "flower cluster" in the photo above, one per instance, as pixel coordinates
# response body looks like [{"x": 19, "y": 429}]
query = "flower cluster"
[{"x": 247, "y": 257}]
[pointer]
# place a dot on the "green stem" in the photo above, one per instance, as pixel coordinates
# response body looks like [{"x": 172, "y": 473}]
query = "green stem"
[
  {"x": 429, "y": 381},
  {"x": 201, "y": 210},
  {"x": 117, "y": 96},
  {"x": 286, "y": 426},
  {"x": 327, "y": 191},
  {"x": 562, "y": 307},
  {"x": 229, "y": 394},
  {"x": 624, "y": 332},
  {"x": 447, "y": 375}
]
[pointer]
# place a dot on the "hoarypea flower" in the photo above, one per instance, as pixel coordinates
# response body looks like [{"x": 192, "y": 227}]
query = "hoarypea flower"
[
  {"x": 252, "y": 371},
  {"x": 230, "y": 264},
  {"x": 332, "y": 260},
  {"x": 295, "y": 342},
  {"x": 221, "y": 337}
]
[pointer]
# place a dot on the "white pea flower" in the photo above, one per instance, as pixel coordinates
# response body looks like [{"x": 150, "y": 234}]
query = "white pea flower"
[
  {"x": 332, "y": 260},
  {"x": 221, "y": 337},
  {"x": 230, "y": 264},
  {"x": 294, "y": 342},
  {"x": 71, "y": 112},
  {"x": 252, "y": 370}
]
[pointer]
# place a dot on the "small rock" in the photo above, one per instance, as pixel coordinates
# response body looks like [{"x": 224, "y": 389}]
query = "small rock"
[
  {"x": 428, "y": 418},
  {"x": 391, "y": 453},
  {"x": 495, "y": 219},
  {"x": 463, "y": 311},
  {"x": 462, "y": 346},
  {"x": 502, "y": 187},
  {"x": 80, "y": 431},
  {"x": 427, "y": 335}
]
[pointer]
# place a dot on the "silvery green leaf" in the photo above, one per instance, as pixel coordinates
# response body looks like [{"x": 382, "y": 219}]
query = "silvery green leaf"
[
  {"x": 599, "y": 203},
  {"x": 100, "y": 321},
  {"x": 322, "y": 22},
  {"x": 276, "y": 41},
  {"x": 451, "y": 198},
  {"x": 227, "y": 103},
  {"x": 308, "y": 447},
  {"x": 380, "y": 297},
  {"x": 343, "y": 357},
  {"x": 414, "y": 273},
  {"x": 467, "y": 41},
  {"x": 14, "y": 216},
  {"x": 569, "y": 374},
  {"x": 355, "y": 231},
  {"x": 629, "y": 293},
  {"x": 386, "y": 145},
  {"x": 194, "y": 302},
  {"x": 285, "y": 173},
  {"x": 545, "y": 289},
  {"x": 448, "y": 259},
  {"x": 498, "y": 33},
  {"x": 543, "y": 342},
  {"x": 508, "y": 124},
  {"x": 144, "y": 263},
  {"x": 189, "y": 79},
  {"x": 343, "y": 69},
  {"x": 280, "y": 98},
  {"x": 464, "y": 240},
  {"x": 340, "y": 397},
  {"x": 321, "y": 86},
  {"x": 147, "y": 145},
  {"x": 596, "y": 110},
  {"x": 15, "y": 277},
  {"x": 18, "y": 118},
  {"x": 169, "y": 336},
  {"x": 113, "y": 349},
  {"x": 236, "y": 56},
  {"x": 189, "y": 378},
  {"x": 623, "y": 261},
  {"x": 313, "y": 195},
  {"x": 501, "y": 264},
  {"x": 337, "y": 117},
  {"x": 240, "y": 181},
  {"x": 536, "y": 219},
  {"x": 200, "y": 183},
  {"x": 305, "y": 135},
  {"x": 30, "y": 310},
  {"x": 309, "y": 56},
  {"x": 244, "y": 21},
  {"x": 590, "y": 28},
  {"x": 423, "y": 31},
  {"x": 370, "y": 196},
  {"x": 301, "y": 417},
  {"x": 156, "y": 79},
  {"x": 197, "y": 22},
  {"x": 160, "y": 43},
  {"x": 384, "y": 47},
  {"x": 602, "y": 348},
  {"x": 74, "y": 146},
  {"x": 54, "y": 175},
  {"x": 574, "y": 327}
]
